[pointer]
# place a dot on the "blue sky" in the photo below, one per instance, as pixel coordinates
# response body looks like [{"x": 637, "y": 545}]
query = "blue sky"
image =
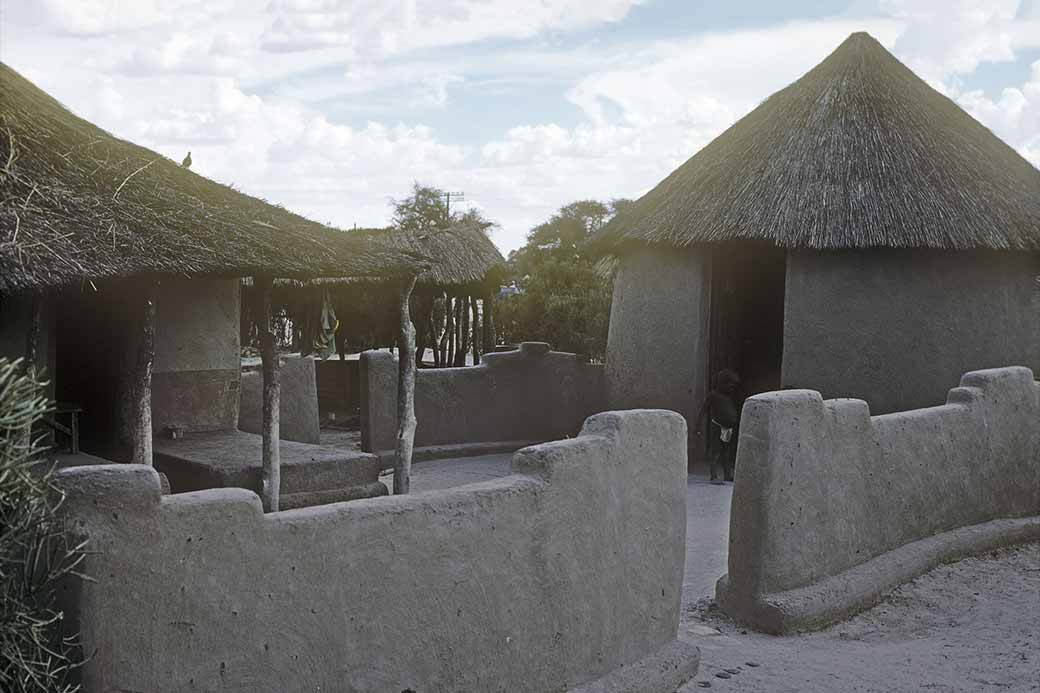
[{"x": 333, "y": 107}]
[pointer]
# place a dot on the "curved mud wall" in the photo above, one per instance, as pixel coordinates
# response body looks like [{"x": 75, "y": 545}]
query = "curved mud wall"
[
  {"x": 823, "y": 489},
  {"x": 538, "y": 581},
  {"x": 897, "y": 327},
  {"x": 532, "y": 394},
  {"x": 657, "y": 343}
]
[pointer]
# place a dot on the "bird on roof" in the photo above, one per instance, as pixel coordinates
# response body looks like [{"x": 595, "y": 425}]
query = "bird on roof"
[{"x": 187, "y": 161}]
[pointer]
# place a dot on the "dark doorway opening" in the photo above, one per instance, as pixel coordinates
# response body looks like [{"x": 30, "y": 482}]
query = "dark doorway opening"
[
  {"x": 746, "y": 314},
  {"x": 90, "y": 332}
]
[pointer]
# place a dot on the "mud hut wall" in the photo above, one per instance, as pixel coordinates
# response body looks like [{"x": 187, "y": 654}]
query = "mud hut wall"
[
  {"x": 298, "y": 402},
  {"x": 530, "y": 394},
  {"x": 337, "y": 383},
  {"x": 195, "y": 382},
  {"x": 658, "y": 336},
  {"x": 552, "y": 576},
  {"x": 823, "y": 486},
  {"x": 896, "y": 327}
]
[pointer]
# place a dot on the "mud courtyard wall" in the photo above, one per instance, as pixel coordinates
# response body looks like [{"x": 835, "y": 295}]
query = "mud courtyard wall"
[
  {"x": 197, "y": 357},
  {"x": 541, "y": 580},
  {"x": 827, "y": 496},
  {"x": 531, "y": 394},
  {"x": 897, "y": 327}
]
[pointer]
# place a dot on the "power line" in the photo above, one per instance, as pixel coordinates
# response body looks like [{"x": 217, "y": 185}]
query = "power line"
[{"x": 459, "y": 197}]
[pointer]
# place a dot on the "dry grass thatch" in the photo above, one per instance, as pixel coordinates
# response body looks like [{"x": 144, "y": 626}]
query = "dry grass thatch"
[
  {"x": 77, "y": 203},
  {"x": 459, "y": 255},
  {"x": 859, "y": 152}
]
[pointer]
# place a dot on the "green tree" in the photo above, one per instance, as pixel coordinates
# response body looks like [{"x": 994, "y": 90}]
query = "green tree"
[
  {"x": 426, "y": 209},
  {"x": 565, "y": 292}
]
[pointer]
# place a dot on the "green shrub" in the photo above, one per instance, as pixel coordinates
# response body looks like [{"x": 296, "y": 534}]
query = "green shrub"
[{"x": 34, "y": 554}]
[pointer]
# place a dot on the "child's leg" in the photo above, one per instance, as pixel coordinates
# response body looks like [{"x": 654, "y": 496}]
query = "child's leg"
[
  {"x": 715, "y": 457},
  {"x": 729, "y": 459}
]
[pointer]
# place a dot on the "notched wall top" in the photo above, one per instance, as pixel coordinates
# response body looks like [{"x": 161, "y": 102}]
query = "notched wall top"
[{"x": 538, "y": 581}]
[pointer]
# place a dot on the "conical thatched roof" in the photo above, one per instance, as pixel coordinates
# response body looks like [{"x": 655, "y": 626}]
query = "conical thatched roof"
[
  {"x": 859, "y": 152},
  {"x": 77, "y": 203}
]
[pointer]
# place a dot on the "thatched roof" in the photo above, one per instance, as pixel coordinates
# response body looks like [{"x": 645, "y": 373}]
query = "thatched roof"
[
  {"x": 77, "y": 204},
  {"x": 859, "y": 152},
  {"x": 461, "y": 254}
]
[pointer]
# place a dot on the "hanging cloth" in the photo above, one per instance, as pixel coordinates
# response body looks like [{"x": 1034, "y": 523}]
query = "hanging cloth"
[{"x": 325, "y": 339}]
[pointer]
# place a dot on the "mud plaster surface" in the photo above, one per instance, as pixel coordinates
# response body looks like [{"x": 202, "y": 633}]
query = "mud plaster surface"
[{"x": 968, "y": 626}]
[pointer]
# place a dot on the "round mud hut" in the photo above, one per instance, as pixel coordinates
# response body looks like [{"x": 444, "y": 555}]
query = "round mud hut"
[
  {"x": 119, "y": 282},
  {"x": 857, "y": 233}
]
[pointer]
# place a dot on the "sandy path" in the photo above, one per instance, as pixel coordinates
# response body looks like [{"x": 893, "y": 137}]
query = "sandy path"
[{"x": 969, "y": 626}]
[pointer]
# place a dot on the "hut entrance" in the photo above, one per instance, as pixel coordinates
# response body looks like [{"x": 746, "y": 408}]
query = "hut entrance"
[
  {"x": 89, "y": 333},
  {"x": 746, "y": 315}
]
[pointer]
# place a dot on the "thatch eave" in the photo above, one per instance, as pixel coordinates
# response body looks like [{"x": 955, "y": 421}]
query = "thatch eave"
[{"x": 78, "y": 204}]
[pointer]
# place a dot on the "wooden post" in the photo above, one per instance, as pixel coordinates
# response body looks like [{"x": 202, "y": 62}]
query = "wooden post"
[
  {"x": 141, "y": 380},
  {"x": 448, "y": 329},
  {"x": 405, "y": 391},
  {"x": 476, "y": 330},
  {"x": 431, "y": 326},
  {"x": 489, "y": 322},
  {"x": 453, "y": 310},
  {"x": 460, "y": 356},
  {"x": 423, "y": 308},
  {"x": 32, "y": 341},
  {"x": 271, "y": 473},
  {"x": 32, "y": 347}
]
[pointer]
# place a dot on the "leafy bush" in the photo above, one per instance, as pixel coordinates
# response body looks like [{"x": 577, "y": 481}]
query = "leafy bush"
[
  {"x": 34, "y": 554},
  {"x": 565, "y": 291}
]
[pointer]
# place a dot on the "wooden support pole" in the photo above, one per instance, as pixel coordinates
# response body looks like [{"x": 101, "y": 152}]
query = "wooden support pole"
[
  {"x": 141, "y": 381},
  {"x": 432, "y": 327},
  {"x": 489, "y": 322},
  {"x": 271, "y": 473},
  {"x": 31, "y": 360},
  {"x": 32, "y": 340},
  {"x": 448, "y": 328},
  {"x": 476, "y": 330},
  {"x": 453, "y": 334},
  {"x": 405, "y": 391},
  {"x": 460, "y": 356},
  {"x": 423, "y": 308}
]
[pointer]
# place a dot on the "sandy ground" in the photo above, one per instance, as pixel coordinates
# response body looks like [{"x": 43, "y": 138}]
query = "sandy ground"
[{"x": 968, "y": 626}]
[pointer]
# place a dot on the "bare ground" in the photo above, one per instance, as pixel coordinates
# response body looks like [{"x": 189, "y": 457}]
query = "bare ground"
[{"x": 973, "y": 625}]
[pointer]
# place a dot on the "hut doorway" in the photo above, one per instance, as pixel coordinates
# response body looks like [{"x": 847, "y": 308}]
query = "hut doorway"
[
  {"x": 90, "y": 327},
  {"x": 746, "y": 314}
]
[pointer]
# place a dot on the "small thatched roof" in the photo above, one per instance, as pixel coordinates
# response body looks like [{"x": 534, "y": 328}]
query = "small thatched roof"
[
  {"x": 461, "y": 254},
  {"x": 859, "y": 152},
  {"x": 77, "y": 204}
]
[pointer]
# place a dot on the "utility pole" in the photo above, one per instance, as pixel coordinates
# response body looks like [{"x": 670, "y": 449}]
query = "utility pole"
[{"x": 459, "y": 197}]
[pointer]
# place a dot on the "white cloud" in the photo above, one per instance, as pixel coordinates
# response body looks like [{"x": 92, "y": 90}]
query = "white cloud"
[
  {"x": 99, "y": 17},
  {"x": 945, "y": 38},
  {"x": 390, "y": 27},
  {"x": 1014, "y": 116}
]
